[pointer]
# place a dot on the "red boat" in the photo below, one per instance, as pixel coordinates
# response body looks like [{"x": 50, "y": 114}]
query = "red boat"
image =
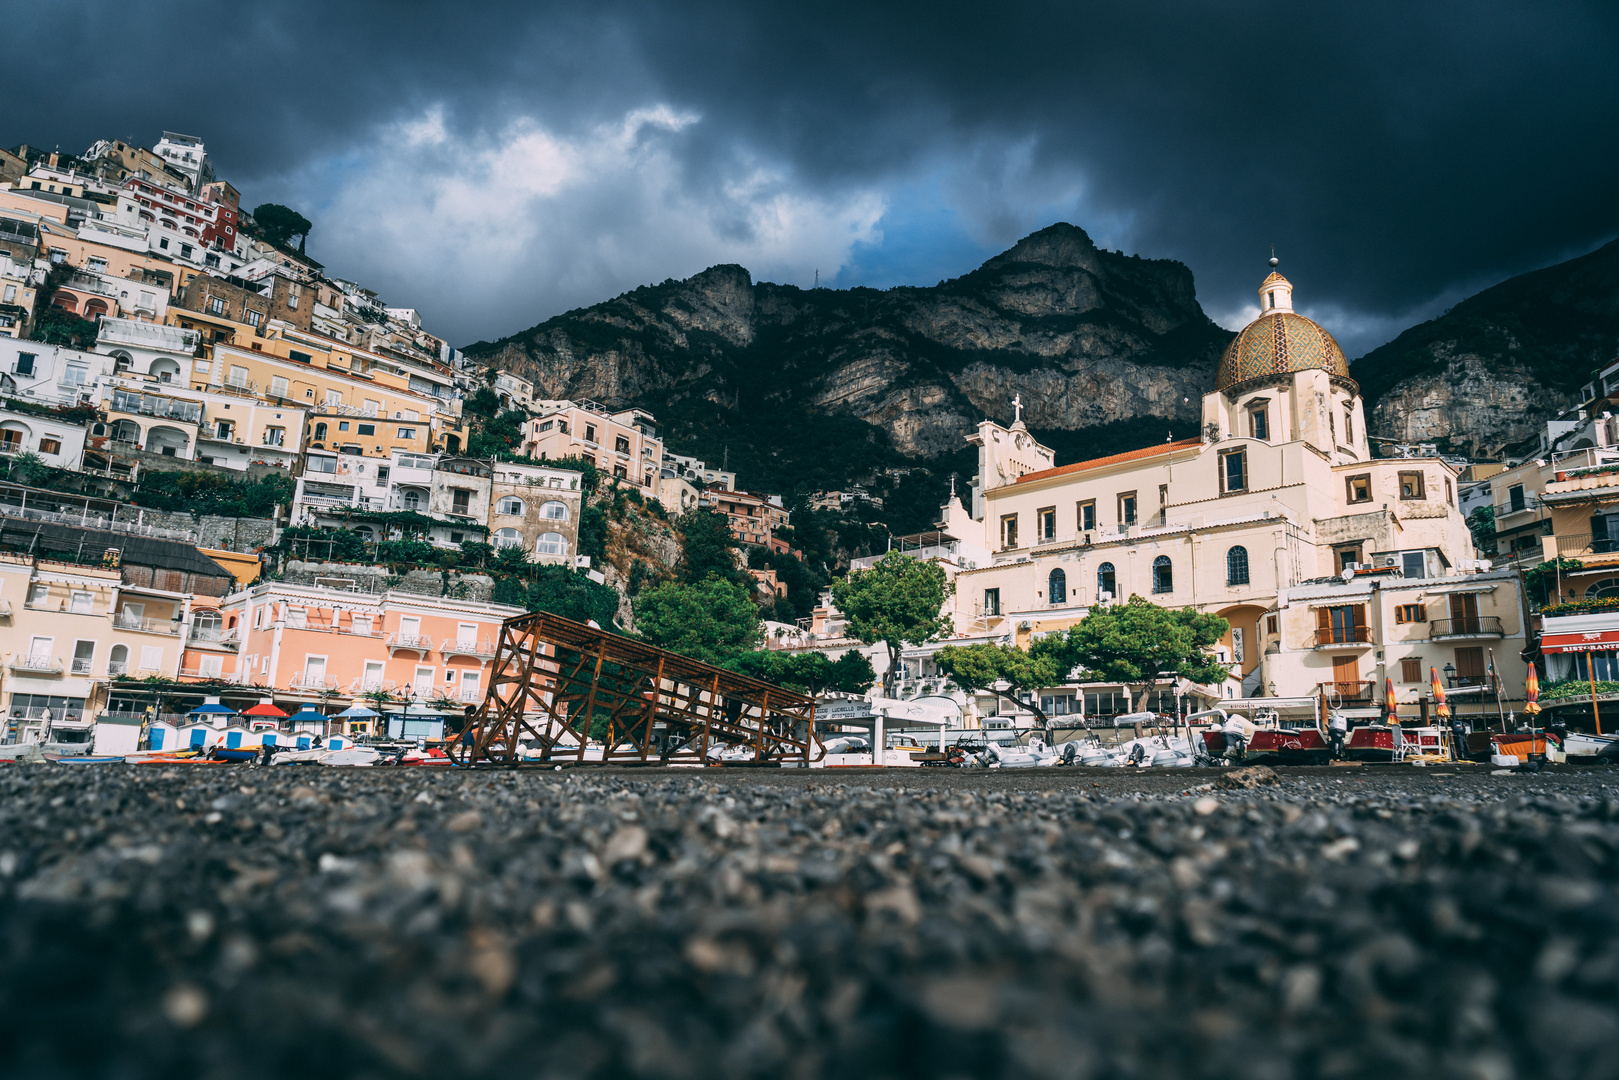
[
  {"x": 1373, "y": 742},
  {"x": 1281, "y": 746}
]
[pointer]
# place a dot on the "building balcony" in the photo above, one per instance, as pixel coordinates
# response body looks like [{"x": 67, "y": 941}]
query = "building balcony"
[
  {"x": 36, "y": 665},
  {"x": 416, "y": 642},
  {"x": 1341, "y": 637},
  {"x": 1575, "y": 545},
  {"x": 372, "y": 686},
  {"x": 166, "y": 627},
  {"x": 81, "y": 666},
  {"x": 1479, "y": 626},
  {"x": 313, "y": 683},
  {"x": 1350, "y": 693},
  {"x": 482, "y": 649},
  {"x": 473, "y": 696},
  {"x": 214, "y": 635}
]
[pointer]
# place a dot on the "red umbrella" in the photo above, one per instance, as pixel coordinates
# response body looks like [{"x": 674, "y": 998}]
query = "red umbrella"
[
  {"x": 1531, "y": 689},
  {"x": 1392, "y": 702},
  {"x": 265, "y": 708},
  {"x": 1443, "y": 711}
]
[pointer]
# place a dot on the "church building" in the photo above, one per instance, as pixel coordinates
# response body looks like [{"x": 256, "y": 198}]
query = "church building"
[{"x": 1335, "y": 569}]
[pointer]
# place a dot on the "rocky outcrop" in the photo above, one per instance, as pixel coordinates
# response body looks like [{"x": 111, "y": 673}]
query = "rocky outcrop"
[
  {"x": 1491, "y": 370},
  {"x": 1085, "y": 336}
]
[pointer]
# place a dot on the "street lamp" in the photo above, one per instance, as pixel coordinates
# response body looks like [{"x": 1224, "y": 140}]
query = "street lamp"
[
  {"x": 1450, "y": 674},
  {"x": 1272, "y": 688}
]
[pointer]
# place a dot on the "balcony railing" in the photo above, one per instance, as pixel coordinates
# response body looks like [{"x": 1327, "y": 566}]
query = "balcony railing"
[
  {"x": 122, "y": 621},
  {"x": 81, "y": 666},
  {"x": 397, "y": 640},
  {"x": 1475, "y": 626},
  {"x": 1583, "y": 544},
  {"x": 1343, "y": 635},
  {"x": 482, "y": 648},
  {"x": 215, "y": 635},
  {"x": 117, "y": 669},
  {"x": 1353, "y": 692},
  {"x": 38, "y": 665},
  {"x": 370, "y": 686},
  {"x": 313, "y": 682},
  {"x": 473, "y": 694}
]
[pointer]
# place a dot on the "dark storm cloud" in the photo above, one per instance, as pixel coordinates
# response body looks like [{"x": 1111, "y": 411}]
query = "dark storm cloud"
[{"x": 1397, "y": 155}]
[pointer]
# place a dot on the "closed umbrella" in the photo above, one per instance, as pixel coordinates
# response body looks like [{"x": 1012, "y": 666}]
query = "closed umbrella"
[
  {"x": 1443, "y": 711},
  {"x": 1531, "y": 691},
  {"x": 1390, "y": 701}
]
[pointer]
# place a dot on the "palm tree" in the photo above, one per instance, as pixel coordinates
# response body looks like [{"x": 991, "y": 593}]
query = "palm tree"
[
  {"x": 379, "y": 699},
  {"x": 328, "y": 697}
]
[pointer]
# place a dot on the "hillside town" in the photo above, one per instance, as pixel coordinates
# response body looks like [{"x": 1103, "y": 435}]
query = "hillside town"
[{"x": 155, "y": 335}]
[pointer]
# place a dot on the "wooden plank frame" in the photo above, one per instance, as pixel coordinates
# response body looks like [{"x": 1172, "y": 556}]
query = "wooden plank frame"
[{"x": 559, "y": 684}]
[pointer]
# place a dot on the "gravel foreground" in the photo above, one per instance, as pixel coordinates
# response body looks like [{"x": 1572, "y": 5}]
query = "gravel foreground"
[{"x": 243, "y": 922}]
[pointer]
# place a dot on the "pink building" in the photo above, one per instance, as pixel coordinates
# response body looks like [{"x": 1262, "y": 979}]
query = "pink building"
[
  {"x": 623, "y": 444},
  {"x": 327, "y": 646}
]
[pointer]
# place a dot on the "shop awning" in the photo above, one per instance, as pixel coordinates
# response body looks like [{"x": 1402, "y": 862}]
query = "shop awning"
[{"x": 1589, "y": 641}]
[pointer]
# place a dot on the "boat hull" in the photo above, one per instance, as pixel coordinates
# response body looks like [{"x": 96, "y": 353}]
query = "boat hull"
[{"x": 1370, "y": 743}]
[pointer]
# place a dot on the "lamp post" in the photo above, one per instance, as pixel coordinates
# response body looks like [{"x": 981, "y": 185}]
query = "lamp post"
[{"x": 1450, "y": 675}]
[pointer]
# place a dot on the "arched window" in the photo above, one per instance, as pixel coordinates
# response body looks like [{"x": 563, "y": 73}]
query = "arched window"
[
  {"x": 364, "y": 533},
  {"x": 1105, "y": 581},
  {"x": 1057, "y": 587},
  {"x": 1163, "y": 575},
  {"x": 118, "y": 660},
  {"x": 511, "y": 504},
  {"x": 508, "y": 538},
  {"x": 122, "y": 361},
  {"x": 552, "y": 544},
  {"x": 554, "y": 511},
  {"x": 320, "y": 431},
  {"x": 1603, "y": 589},
  {"x": 1236, "y": 566},
  {"x": 413, "y": 500},
  {"x": 208, "y": 620}
]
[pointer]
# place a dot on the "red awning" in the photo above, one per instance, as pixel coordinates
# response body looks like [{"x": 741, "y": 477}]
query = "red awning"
[{"x": 1591, "y": 641}]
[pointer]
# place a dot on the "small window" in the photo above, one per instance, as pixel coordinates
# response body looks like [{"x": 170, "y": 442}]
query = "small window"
[
  {"x": 320, "y": 431},
  {"x": 1349, "y": 425},
  {"x": 1411, "y": 613},
  {"x": 511, "y": 505},
  {"x": 1046, "y": 524},
  {"x": 1272, "y": 624},
  {"x": 1087, "y": 516},
  {"x": 1057, "y": 587},
  {"x": 49, "y": 445},
  {"x": 1411, "y": 486},
  {"x": 1106, "y": 583},
  {"x": 216, "y": 305},
  {"x": 1413, "y": 564},
  {"x": 407, "y": 433},
  {"x": 1411, "y": 670},
  {"x": 1163, "y": 575},
  {"x": 1259, "y": 422},
  {"x": 1236, "y": 566},
  {"x": 1234, "y": 471},
  {"x": 552, "y": 543},
  {"x": 254, "y": 317},
  {"x": 460, "y": 501},
  {"x": 1127, "y": 508},
  {"x": 554, "y": 511},
  {"x": 621, "y": 444},
  {"x": 81, "y": 603},
  {"x": 992, "y": 601},
  {"x": 1359, "y": 487},
  {"x": 1347, "y": 558},
  {"x": 1450, "y": 492},
  {"x": 1009, "y": 531},
  {"x": 25, "y": 363}
]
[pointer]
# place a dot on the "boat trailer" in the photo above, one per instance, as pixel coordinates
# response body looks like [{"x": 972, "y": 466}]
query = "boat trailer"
[{"x": 563, "y": 687}]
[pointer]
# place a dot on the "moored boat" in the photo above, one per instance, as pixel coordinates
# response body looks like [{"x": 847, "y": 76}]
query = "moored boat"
[{"x": 1372, "y": 742}]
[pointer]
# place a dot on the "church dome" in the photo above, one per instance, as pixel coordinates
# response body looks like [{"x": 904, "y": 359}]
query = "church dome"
[{"x": 1279, "y": 342}]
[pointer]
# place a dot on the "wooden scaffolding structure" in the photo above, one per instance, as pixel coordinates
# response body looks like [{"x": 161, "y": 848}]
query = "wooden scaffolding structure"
[{"x": 574, "y": 693}]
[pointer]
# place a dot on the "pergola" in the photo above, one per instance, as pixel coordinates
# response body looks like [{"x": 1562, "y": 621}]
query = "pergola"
[{"x": 560, "y": 684}]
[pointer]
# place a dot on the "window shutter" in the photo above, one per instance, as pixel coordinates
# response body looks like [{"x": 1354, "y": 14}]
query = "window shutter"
[{"x": 1323, "y": 619}]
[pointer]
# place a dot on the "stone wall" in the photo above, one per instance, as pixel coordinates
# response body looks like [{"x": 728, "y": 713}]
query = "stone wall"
[{"x": 378, "y": 579}]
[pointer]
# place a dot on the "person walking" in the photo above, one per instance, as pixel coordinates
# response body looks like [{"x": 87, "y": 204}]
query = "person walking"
[{"x": 1338, "y": 732}]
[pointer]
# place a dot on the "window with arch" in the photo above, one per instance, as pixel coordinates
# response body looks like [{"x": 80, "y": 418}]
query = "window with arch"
[
  {"x": 1106, "y": 581},
  {"x": 413, "y": 500},
  {"x": 552, "y": 544},
  {"x": 1236, "y": 566},
  {"x": 121, "y": 362},
  {"x": 1057, "y": 587},
  {"x": 1163, "y": 575},
  {"x": 511, "y": 505},
  {"x": 1601, "y": 590},
  {"x": 554, "y": 511},
  {"x": 320, "y": 431},
  {"x": 118, "y": 660},
  {"x": 505, "y": 538}
]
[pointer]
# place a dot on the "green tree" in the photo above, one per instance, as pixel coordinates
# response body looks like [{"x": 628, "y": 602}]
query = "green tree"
[
  {"x": 1541, "y": 580},
  {"x": 807, "y": 673},
  {"x": 28, "y": 468},
  {"x": 708, "y": 547},
  {"x": 281, "y": 223},
  {"x": 711, "y": 621},
  {"x": 897, "y": 602},
  {"x": 990, "y": 666},
  {"x": 1138, "y": 644},
  {"x": 483, "y": 403},
  {"x": 1482, "y": 523}
]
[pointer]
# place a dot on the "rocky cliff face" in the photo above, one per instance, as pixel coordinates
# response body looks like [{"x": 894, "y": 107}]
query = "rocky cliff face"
[
  {"x": 1086, "y": 337},
  {"x": 1490, "y": 372}
]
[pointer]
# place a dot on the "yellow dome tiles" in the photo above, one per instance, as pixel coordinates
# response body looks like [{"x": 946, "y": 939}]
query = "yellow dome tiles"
[{"x": 1279, "y": 344}]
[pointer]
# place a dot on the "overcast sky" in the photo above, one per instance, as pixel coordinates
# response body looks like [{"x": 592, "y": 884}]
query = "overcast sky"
[{"x": 495, "y": 164}]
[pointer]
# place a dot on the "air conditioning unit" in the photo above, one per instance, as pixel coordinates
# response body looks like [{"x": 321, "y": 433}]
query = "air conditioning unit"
[{"x": 1390, "y": 561}]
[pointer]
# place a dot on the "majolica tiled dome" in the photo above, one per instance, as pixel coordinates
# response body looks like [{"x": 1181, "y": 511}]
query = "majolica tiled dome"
[{"x": 1279, "y": 342}]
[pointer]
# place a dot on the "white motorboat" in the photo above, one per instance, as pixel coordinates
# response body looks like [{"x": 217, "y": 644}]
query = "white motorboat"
[
  {"x": 1581, "y": 744},
  {"x": 362, "y": 756}
]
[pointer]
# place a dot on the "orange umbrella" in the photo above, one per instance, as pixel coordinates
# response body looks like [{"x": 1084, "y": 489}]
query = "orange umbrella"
[
  {"x": 1531, "y": 688},
  {"x": 1443, "y": 712},
  {"x": 1392, "y": 703}
]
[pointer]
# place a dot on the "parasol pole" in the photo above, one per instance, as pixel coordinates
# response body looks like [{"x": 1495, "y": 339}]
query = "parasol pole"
[
  {"x": 1591, "y": 670},
  {"x": 1495, "y": 684}
]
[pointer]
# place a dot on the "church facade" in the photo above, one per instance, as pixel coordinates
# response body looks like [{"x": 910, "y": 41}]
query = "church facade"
[{"x": 1256, "y": 518}]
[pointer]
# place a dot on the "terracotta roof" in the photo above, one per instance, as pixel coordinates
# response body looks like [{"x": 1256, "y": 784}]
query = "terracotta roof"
[{"x": 1111, "y": 459}]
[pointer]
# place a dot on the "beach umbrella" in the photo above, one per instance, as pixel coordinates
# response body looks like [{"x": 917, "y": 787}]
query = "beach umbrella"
[
  {"x": 1531, "y": 690},
  {"x": 1443, "y": 711},
  {"x": 1392, "y": 703},
  {"x": 212, "y": 708},
  {"x": 308, "y": 715},
  {"x": 265, "y": 708},
  {"x": 359, "y": 712}
]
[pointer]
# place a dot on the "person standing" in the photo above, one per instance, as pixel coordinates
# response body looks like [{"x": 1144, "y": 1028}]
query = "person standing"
[{"x": 1338, "y": 732}]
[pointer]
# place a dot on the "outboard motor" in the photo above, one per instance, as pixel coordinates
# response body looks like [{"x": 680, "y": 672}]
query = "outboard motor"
[
  {"x": 1069, "y": 752},
  {"x": 1138, "y": 754}
]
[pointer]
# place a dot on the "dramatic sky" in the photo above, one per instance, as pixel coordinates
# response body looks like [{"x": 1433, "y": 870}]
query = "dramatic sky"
[{"x": 496, "y": 163}]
